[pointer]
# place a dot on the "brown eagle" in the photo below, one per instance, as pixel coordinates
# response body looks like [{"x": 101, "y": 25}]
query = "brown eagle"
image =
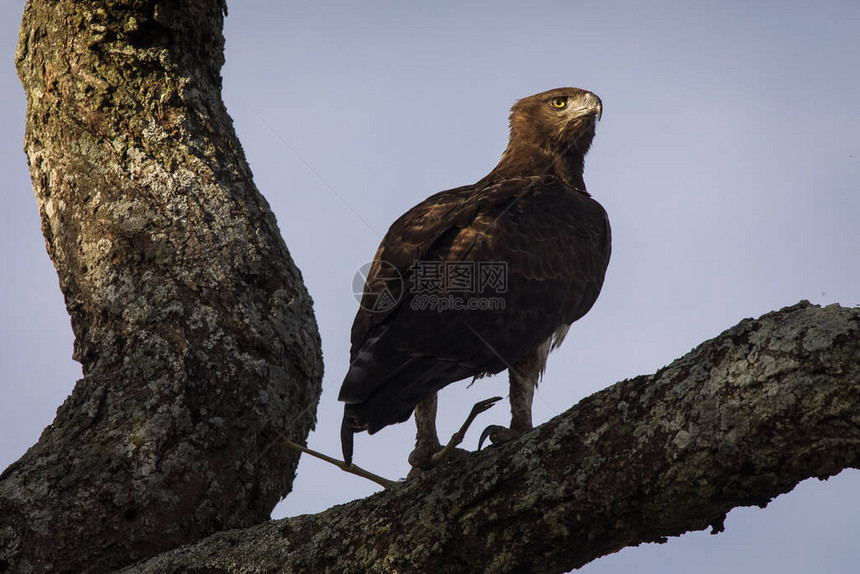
[{"x": 482, "y": 278}]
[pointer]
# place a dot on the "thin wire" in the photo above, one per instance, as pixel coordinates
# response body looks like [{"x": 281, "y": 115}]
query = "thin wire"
[{"x": 316, "y": 173}]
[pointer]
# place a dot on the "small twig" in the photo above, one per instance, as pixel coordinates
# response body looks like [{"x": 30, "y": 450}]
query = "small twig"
[
  {"x": 458, "y": 436},
  {"x": 351, "y": 468}
]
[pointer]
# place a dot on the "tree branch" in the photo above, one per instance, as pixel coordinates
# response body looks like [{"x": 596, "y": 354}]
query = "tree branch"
[
  {"x": 739, "y": 420},
  {"x": 350, "y": 468}
]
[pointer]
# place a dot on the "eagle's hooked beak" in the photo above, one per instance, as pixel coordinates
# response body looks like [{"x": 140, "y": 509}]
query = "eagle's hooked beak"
[{"x": 592, "y": 103}]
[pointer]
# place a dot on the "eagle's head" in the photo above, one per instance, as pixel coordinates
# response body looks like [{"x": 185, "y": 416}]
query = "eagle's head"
[
  {"x": 550, "y": 133},
  {"x": 559, "y": 121}
]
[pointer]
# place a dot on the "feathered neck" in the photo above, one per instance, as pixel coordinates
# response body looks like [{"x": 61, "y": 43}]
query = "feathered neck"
[{"x": 524, "y": 159}]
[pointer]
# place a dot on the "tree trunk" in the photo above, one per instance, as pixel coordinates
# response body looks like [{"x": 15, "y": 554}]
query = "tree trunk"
[
  {"x": 739, "y": 420},
  {"x": 194, "y": 329}
]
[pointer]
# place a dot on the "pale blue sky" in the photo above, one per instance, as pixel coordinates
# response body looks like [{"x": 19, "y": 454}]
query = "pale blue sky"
[{"x": 728, "y": 159}]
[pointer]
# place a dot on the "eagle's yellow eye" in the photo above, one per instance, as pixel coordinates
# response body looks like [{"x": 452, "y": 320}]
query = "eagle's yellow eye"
[{"x": 559, "y": 103}]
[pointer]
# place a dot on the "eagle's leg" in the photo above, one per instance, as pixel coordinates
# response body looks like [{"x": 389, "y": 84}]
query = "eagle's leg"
[
  {"x": 428, "y": 451},
  {"x": 426, "y": 439},
  {"x": 523, "y": 383},
  {"x": 523, "y": 376}
]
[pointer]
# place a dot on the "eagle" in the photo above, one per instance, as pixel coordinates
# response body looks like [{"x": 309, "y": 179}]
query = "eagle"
[{"x": 482, "y": 278}]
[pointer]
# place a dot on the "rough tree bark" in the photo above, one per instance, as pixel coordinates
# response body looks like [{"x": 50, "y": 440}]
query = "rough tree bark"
[
  {"x": 200, "y": 350},
  {"x": 196, "y": 335},
  {"x": 739, "y": 420}
]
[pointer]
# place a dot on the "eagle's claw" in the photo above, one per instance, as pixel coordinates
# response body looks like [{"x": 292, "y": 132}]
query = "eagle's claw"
[{"x": 496, "y": 434}]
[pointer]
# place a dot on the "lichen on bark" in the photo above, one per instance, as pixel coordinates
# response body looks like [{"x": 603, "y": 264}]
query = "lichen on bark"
[{"x": 193, "y": 327}]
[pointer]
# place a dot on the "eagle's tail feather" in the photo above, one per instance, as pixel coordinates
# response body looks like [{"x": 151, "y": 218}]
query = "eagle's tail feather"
[{"x": 347, "y": 433}]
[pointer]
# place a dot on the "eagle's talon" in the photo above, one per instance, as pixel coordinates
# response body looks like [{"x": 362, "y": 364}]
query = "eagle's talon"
[{"x": 496, "y": 434}]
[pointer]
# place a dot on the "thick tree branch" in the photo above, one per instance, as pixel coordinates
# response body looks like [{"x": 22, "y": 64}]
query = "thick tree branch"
[
  {"x": 737, "y": 421},
  {"x": 195, "y": 332}
]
